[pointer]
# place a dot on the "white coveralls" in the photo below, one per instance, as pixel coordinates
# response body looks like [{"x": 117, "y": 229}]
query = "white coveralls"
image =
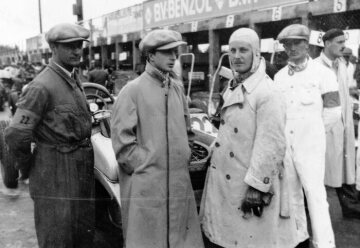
[{"x": 312, "y": 100}]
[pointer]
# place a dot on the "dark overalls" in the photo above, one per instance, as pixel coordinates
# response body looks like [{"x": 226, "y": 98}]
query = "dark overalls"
[{"x": 53, "y": 112}]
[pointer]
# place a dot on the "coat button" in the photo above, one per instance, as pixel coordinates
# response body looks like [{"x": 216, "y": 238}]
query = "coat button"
[
  {"x": 266, "y": 180},
  {"x": 222, "y": 122},
  {"x": 228, "y": 177},
  {"x": 217, "y": 144},
  {"x": 235, "y": 130},
  {"x": 231, "y": 154}
]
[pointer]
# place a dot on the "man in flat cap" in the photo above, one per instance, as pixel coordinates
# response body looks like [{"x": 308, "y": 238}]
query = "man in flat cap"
[
  {"x": 149, "y": 127},
  {"x": 340, "y": 139},
  {"x": 313, "y": 105},
  {"x": 53, "y": 113}
]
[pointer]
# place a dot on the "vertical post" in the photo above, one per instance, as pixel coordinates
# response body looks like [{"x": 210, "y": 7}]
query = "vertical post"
[
  {"x": 214, "y": 56},
  {"x": 136, "y": 55},
  {"x": 104, "y": 55},
  {"x": 117, "y": 51},
  {"x": 40, "y": 20},
  {"x": 79, "y": 8}
]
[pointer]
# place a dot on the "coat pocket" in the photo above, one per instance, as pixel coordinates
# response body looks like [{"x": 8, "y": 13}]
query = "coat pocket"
[{"x": 308, "y": 95}]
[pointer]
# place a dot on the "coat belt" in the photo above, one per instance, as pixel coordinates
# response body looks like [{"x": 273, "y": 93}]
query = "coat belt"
[{"x": 66, "y": 147}]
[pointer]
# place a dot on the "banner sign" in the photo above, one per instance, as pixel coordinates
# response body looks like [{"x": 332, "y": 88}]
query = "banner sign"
[
  {"x": 37, "y": 43},
  {"x": 125, "y": 21},
  {"x": 159, "y": 13}
]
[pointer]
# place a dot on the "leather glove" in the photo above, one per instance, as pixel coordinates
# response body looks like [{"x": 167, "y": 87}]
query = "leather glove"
[{"x": 252, "y": 203}]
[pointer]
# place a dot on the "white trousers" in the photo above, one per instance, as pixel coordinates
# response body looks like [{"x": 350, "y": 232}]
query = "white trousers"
[{"x": 305, "y": 168}]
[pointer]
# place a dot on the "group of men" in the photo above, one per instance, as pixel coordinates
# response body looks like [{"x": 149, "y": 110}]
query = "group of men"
[{"x": 277, "y": 140}]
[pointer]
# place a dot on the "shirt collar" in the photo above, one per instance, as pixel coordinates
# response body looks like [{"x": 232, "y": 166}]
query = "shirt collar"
[
  {"x": 326, "y": 60},
  {"x": 66, "y": 71}
]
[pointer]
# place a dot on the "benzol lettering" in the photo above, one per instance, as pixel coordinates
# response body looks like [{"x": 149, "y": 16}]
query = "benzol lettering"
[
  {"x": 171, "y": 9},
  {"x": 235, "y": 3},
  {"x": 192, "y": 7},
  {"x": 163, "y": 7}
]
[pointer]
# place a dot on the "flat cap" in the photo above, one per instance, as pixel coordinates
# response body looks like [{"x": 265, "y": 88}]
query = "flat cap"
[
  {"x": 294, "y": 31},
  {"x": 67, "y": 32},
  {"x": 332, "y": 33},
  {"x": 161, "y": 39}
]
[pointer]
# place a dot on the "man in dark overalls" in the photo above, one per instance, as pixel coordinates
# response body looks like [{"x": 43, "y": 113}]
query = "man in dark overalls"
[{"x": 54, "y": 113}]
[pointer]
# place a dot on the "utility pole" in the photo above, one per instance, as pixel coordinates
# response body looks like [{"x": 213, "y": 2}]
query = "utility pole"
[
  {"x": 40, "y": 21},
  {"x": 78, "y": 10}
]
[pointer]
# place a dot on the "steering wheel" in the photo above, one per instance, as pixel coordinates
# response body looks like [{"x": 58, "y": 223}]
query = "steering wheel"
[{"x": 96, "y": 92}]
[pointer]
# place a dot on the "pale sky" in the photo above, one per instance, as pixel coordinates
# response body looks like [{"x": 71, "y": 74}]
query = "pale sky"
[{"x": 19, "y": 19}]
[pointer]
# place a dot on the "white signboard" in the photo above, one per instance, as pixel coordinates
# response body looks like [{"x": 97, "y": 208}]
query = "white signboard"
[
  {"x": 267, "y": 45},
  {"x": 229, "y": 21},
  {"x": 122, "y": 56},
  {"x": 316, "y": 38},
  {"x": 194, "y": 26},
  {"x": 276, "y": 13},
  {"x": 339, "y": 6}
]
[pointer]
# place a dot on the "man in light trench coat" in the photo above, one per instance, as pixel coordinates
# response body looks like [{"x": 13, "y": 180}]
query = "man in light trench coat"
[
  {"x": 243, "y": 204},
  {"x": 340, "y": 139},
  {"x": 313, "y": 106},
  {"x": 149, "y": 135}
]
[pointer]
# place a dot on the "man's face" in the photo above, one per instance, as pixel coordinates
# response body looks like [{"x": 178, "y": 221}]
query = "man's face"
[
  {"x": 68, "y": 55},
  {"x": 296, "y": 49},
  {"x": 241, "y": 56},
  {"x": 164, "y": 60},
  {"x": 336, "y": 46}
]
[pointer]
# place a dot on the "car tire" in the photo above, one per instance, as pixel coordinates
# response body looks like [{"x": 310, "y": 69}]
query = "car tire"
[
  {"x": 108, "y": 217},
  {"x": 8, "y": 171}
]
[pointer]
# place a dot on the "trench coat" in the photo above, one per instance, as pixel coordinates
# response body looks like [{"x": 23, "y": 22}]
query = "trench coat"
[
  {"x": 248, "y": 151},
  {"x": 149, "y": 136},
  {"x": 340, "y": 140},
  {"x": 54, "y": 113}
]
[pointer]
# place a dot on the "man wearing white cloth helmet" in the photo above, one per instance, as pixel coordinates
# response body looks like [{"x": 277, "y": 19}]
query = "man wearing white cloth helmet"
[{"x": 242, "y": 204}]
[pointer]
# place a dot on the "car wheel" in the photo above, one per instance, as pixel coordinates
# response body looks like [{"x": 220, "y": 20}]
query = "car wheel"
[{"x": 8, "y": 171}]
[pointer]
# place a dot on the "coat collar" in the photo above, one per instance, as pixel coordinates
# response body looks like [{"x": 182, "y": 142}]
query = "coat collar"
[
  {"x": 235, "y": 96},
  {"x": 66, "y": 76},
  {"x": 160, "y": 76}
]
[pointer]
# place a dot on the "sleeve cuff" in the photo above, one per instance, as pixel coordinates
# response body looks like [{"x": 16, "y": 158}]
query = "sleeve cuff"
[{"x": 263, "y": 186}]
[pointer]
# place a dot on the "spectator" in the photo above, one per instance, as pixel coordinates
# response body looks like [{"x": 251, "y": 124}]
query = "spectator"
[
  {"x": 340, "y": 139},
  {"x": 98, "y": 75}
]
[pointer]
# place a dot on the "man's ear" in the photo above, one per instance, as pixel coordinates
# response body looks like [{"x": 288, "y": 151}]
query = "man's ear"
[
  {"x": 151, "y": 56},
  {"x": 52, "y": 46},
  {"x": 326, "y": 43}
]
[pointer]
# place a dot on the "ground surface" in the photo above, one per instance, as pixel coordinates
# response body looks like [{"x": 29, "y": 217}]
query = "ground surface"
[{"x": 17, "y": 225}]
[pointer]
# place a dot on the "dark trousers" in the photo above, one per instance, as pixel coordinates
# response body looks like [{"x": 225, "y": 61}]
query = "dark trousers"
[
  {"x": 63, "y": 188},
  {"x": 209, "y": 244},
  {"x": 349, "y": 200}
]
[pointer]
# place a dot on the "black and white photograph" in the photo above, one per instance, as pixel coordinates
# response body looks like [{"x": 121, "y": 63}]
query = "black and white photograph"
[{"x": 179, "y": 123}]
